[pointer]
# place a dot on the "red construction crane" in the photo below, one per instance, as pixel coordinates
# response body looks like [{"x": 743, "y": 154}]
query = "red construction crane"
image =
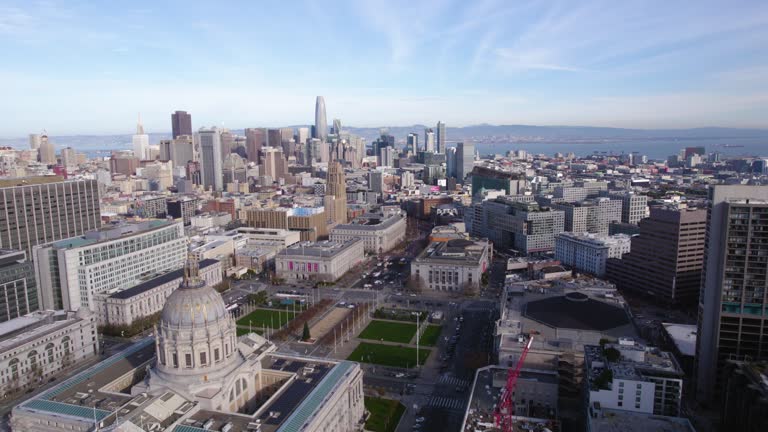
[{"x": 506, "y": 407}]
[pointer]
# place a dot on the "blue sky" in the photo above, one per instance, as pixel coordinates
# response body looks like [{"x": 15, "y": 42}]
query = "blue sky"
[{"x": 90, "y": 67}]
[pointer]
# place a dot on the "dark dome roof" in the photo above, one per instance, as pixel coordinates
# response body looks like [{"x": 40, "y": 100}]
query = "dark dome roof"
[
  {"x": 459, "y": 243},
  {"x": 576, "y": 311}
]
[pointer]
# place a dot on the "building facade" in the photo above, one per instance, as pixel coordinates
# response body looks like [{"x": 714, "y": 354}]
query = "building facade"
[
  {"x": 455, "y": 265},
  {"x": 379, "y": 234},
  {"x": 591, "y": 216},
  {"x": 148, "y": 297},
  {"x": 181, "y": 124},
  {"x": 510, "y": 224},
  {"x": 325, "y": 261},
  {"x": 465, "y": 160},
  {"x": 37, "y": 210},
  {"x": 589, "y": 253},
  {"x": 310, "y": 222},
  {"x": 634, "y": 207},
  {"x": 733, "y": 317},
  {"x": 39, "y": 346},
  {"x": 18, "y": 287},
  {"x": 666, "y": 258},
  {"x": 182, "y": 208},
  {"x": 71, "y": 271}
]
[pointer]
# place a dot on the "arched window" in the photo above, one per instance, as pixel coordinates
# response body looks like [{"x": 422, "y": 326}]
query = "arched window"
[
  {"x": 49, "y": 352},
  {"x": 14, "y": 365},
  {"x": 32, "y": 357},
  {"x": 65, "y": 345}
]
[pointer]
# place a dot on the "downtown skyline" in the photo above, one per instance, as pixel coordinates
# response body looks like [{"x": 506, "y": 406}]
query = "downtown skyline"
[{"x": 595, "y": 64}]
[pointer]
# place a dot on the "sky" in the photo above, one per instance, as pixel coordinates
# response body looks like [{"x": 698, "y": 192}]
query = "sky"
[{"x": 84, "y": 67}]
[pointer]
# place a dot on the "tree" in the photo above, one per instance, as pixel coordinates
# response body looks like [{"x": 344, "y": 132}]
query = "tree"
[
  {"x": 415, "y": 284},
  {"x": 469, "y": 289},
  {"x": 305, "y": 336},
  {"x": 612, "y": 354},
  {"x": 258, "y": 298}
]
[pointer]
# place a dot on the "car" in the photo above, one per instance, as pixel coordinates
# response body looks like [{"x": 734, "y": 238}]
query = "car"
[
  {"x": 342, "y": 303},
  {"x": 350, "y": 306},
  {"x": 412, "y": 295},
  {"x": 367, "y": 286},
  {"x": 399, "y": 294},
  {"x": 420, "y": 419},
  {"x": 399, "y": 375}
]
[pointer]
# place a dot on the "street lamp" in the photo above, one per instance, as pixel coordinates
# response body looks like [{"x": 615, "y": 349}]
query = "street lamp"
[{"x": 417, "y": 336}]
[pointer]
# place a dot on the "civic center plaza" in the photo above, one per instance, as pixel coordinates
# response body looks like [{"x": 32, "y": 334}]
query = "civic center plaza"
[{"x": 196, "y": 374}]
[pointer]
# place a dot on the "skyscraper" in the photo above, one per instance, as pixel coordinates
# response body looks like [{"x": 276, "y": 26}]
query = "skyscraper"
[
  {"x": 666, "y": 258},
  {"x": 38, "y": 210},
  {"x": 47, "y": 151},
  {"x": 181, "y": 123},
  {"x": 440, "y": 137},
  {"x": 302, "y": 135},
  {"x": 450, "y": 162},
  {"x": 429, "y": 140},
  {"x": 465, "y": 160},
  {"x": 412, "y": 143},
  {"x": 255, "y": 139},
  {"x": 34, "y": 141},
  {"x": 336, "y": 194},
  {"x": 733, "y": 308},
  {"x": 140, "y": 142},
  {"x": 336, "y": 127},
  {"x": 273, "y": 163},
  {"x": 210, "y": 158},
  {"x": 321, "y": 124}
]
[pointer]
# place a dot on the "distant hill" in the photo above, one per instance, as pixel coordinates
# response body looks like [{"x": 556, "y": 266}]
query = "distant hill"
[{"x": 476, "y": 132}]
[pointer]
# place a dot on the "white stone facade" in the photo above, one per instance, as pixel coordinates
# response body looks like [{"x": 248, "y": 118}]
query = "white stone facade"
[
  {"x": 38, "y": 346},
  {"x": 589, "y": 253},
  {"x": 324, "y": 261},
  {"x": 377, "y": 238},
  {"x": 78, "y": 268},
  {"x": 148, "y": 298},
  {"x": 452, "y": 265}
]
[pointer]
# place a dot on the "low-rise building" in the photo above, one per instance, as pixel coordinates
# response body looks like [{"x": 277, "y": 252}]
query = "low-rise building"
[
  {"x": 379, "y": 233},
  {"x": 324, "y": 261},
  {"x": 589, "y": 253},
  {"x": 453, "y": 265},
  {"x": 286, "y": 237},
  {"x": 38, "y": 346},
  {"x": 210, "y": 220},
  {"x": 258, "y": 255},
  {"x": 123, "y": 307},
  {"x": 629, "y": 376}
]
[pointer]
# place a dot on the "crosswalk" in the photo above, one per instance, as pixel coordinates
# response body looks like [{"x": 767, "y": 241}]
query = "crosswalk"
[
  {"x": 447, "y": 379},
  {"x": 445, "y": 402}
]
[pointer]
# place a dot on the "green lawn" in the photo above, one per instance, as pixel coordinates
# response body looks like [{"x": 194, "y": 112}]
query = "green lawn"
[
  {"x": 385, "y": 414},
  {"x": 389, "y": 331},
  {"x": 431, "y": 335},
  {"x": 241, "y": 331},
  {"x": 388, "y": 355},
  {"x": 261, "y": 318}
]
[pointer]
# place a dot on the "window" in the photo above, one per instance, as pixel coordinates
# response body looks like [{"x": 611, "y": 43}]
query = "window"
[
  {"x": 203, "y": 359},
  {"x": 188, "y": 359},
  {"x": 216, "y": 355}
]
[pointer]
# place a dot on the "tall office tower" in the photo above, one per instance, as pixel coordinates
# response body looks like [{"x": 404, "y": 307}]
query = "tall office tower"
[
  {"x": 71, "y": 272},
  {"x": 140, "y": 142},
  {"x": 47, "y": 151},
  {"x": 321, "y": 124},
  {"x": 287, "y": 143},
  {"x": 34, "y": 141},
  {"x": 68, "y": 157},
  {"x": 227, "y": 142},
  {"x": 336, "y": 193},
  {"x": 37, "y": 210},
  {"x": 273, "y": 163},
  {"x": 450, "y": 162},
  {"x": 590, "y": 216},
  {"x": 123, "y": 162},
  {"x": 255, "y": 139},
  {"x": 17, "y": 282},
  {"x": 376, "y": 181},
  {"x": 666, "y": 258},
  {"x": 182, "y": 150},
  {"x": 440, "y": 137},
  {"x": 302, "y": 135},
  {"x": 733, "y": 307},
  {"x": 164, "y": 148},
  {"x": 387, "y": 156},
  {"x": 210, "y": 158},
  {"x": 337, "y": 127},
  {"x": 274, "y": 138},
  {"x": 429, "y": 140},
  {"x": 181, "y": 123},
  {"x": 412, "y": 143},
  {"x": 465, "y": 160},
  {"x": 633, "y": 206}
]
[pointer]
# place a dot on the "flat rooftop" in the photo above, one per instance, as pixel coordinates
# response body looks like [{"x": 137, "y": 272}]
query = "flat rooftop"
[
  {"x": 112, "y": 232},
  {"x": 455, "y": 251},
  {"x": 158, "y": 280},
  {"x": 321, "y": 249},
  {"x": 627, "y": 421},
  {"x": 683, "y": 336},
  {"x": 29, "y": 181}
]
